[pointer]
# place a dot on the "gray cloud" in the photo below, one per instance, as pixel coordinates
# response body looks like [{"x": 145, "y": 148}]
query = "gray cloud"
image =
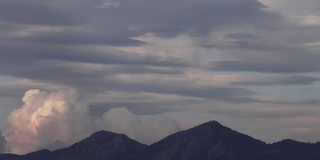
[
  {"x": 217, "y": 93},
  {"x": 32, "y": 13},
  {"x": 78, "y": 38},
  {"x": 267, "y": 66},
  {"x": 268, "y": 113},
  {"x": 280, "y": 80},
  {"x": 50, "y": 63},
  {"x": 170, "y": 18},
  {"x": 33, "y": 54},
  {"x": 48, "y": 54},
  {"x": 132, "y": 18}
]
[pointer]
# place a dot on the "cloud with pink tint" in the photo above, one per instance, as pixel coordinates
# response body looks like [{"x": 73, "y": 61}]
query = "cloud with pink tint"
[
  {"x": 46, "y": 120},
  {"x": 303, "y": 133},
  {"x": 59, "y": 118},
  {"x": 300, "y": 130},
  {"x": 311, "y": 20}
]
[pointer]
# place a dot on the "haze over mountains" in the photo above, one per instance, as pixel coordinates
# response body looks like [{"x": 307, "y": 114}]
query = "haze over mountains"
[{"x": 208, "y": 141}]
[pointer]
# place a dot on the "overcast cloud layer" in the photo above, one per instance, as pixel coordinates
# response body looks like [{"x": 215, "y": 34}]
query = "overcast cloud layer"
[{"x": 246, "y": 63}]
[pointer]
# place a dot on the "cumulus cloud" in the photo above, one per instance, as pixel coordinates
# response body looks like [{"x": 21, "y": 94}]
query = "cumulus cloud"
[
  {"x": 46, "y": 120},
  {"x": 56, "y": 119},
  {"x": 122, "y": 120}
]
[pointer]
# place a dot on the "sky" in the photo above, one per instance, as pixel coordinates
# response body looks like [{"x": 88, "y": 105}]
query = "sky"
[{"x": 151, "y": 68}]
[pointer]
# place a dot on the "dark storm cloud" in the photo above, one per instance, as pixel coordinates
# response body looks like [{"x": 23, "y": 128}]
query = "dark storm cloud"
[{"x": 280, "y": 80}]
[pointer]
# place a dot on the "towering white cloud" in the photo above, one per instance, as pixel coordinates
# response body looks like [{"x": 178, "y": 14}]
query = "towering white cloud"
[
  {"x": 147, "y": 131},
  {"x": 46, "y": 120},
  {"x": 56, "y": 119}
]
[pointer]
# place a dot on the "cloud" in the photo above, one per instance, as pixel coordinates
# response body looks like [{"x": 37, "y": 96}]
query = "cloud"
[
  {"x": 46, "y": 120},
  {"x": 279, "y": 80},
  {"x": 56, "y": 119},
  {"x": 293, "y": 7},
  {"x": 108, "y": 3},
  {"x": 137, "y": 53},
  {"x": 31, "y": 13},
  {"x": 84, "y": 51},
  {"x": 303, "y": 128},
  {"x": 81, "y": 37},
  {"x": 148, "y": 131},
  {"x": 168, "y": 19},
  {"x": 267, "y": 66},
  {"x": 17, "y": 88}
]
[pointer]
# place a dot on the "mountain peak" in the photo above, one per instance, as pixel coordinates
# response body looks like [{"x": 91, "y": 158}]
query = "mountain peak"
[
  {"x": 210, "y": 126},
  {"x": 213, "y": 123},
  {"x": 104, "y": 133},
  {"x": 288, "y": 141}
]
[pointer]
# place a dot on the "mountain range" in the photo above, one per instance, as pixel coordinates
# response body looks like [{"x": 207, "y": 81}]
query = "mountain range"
[{"x": 208, "y": 141}]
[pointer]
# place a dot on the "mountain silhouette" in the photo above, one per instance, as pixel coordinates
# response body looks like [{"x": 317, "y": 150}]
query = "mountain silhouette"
[
  {"x": 294, "y": 150},
  {"x": 208, "y": 141},
  {"x": 102, "y": 145}
]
